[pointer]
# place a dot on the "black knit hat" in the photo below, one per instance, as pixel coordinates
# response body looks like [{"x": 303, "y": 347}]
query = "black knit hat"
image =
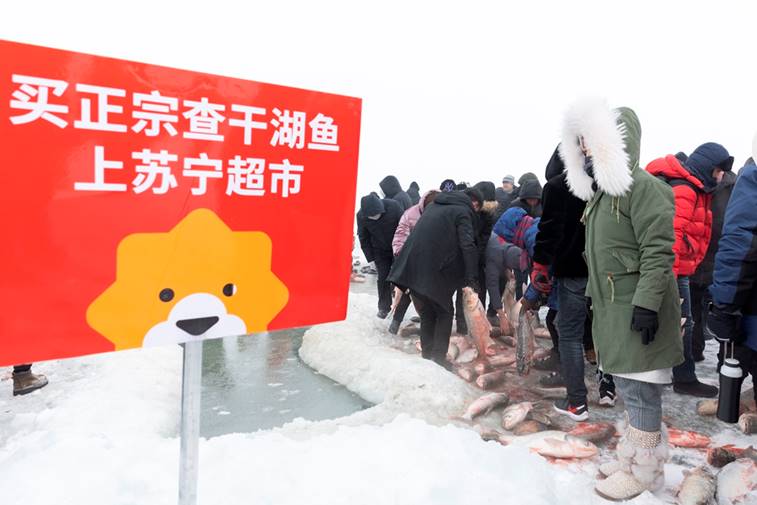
[
  {"x": 487, "y": 189},
  {"x": 447, "y": 185},
  {"x": 475, "y": 195},
  {"x": 530, "y": 189}
]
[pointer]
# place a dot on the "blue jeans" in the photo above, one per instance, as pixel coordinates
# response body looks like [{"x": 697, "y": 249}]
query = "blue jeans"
[
  {"x": 685, "y": 371},
  {"x": 643, "y": 402},
  {"x": 571, "y": 319}
]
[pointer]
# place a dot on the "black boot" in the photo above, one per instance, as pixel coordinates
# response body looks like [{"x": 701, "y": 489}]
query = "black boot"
[
  {"x": 394, "y": 327},
  {"x": 695, "y": 388}
]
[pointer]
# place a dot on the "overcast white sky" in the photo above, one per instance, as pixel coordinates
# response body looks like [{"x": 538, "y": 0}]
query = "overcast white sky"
[{"x": 467, "y": 90}]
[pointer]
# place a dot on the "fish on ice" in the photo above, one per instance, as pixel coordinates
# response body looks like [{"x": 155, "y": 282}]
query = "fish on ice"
[
  {"x": 525, "y": 342},
  {"x": 554, "y": 444},
  {"x": 479, "y": 326},
  {"x": 737, "y": 483},
  {"x": 485, "y": 404},
  {"x": 698, "y": 487},
  {"x": 515, "y": 414}
]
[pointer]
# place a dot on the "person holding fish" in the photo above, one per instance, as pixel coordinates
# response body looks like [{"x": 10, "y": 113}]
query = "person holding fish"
[
  {"x": 634, "y": 295},
  {"x": 439, "y": 257}
]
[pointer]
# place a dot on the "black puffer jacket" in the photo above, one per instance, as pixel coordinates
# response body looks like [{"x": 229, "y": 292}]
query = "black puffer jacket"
[
  {"x": 720, "y": 197},
  {"x": 440, "y": 254},
  {"x": 392, "y": 189},
  {"x": 504, "y": 200},
  {"x": 561, "y": 238},
  {"x": 376, "y": 235}
]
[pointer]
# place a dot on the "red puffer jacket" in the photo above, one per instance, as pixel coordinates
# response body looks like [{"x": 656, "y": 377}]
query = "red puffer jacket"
[{"x": 693, "y": 220}]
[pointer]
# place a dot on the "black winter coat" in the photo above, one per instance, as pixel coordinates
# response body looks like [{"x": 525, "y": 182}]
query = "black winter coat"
[
  {"x": 376, "y": 235},
  {"x": 440, "y": 254},
  {"x": 392, "y": 189},
  {"x": 484, "y": 224},
  {"x": 720, "y": 197},
  {"x": 504, "y": 200},
  {"x": 561, "y": 238}
]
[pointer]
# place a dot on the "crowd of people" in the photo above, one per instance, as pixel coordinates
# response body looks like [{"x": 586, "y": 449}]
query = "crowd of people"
[{"x": 638, "y": 266}]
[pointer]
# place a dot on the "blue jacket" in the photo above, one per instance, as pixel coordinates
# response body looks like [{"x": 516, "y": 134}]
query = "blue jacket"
[
  {"x": 735, "y": 275},
  {"x": 507, "y": 224}
]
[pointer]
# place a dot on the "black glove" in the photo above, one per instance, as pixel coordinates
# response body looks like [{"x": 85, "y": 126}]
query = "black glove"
[
  {"x": 724, "y": 322},
  {"x": 645, "y": 321}
]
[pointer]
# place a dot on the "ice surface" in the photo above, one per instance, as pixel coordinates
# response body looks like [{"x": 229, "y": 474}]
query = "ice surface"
[{"x": 104, "y": 432}]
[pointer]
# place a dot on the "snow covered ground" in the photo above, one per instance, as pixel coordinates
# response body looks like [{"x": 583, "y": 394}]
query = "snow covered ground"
[{"x": 104, "y": 432}]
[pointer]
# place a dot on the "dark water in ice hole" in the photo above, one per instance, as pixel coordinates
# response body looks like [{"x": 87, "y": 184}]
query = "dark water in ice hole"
[{"x": 259, "y": 382}]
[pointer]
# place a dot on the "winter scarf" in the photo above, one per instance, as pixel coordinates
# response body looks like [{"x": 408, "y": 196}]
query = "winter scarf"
[{"x": 519, "y": 239}]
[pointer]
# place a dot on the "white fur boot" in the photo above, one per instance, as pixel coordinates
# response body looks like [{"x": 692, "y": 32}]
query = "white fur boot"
[
  {"x": 609, "y": 468},
  {"x": 641, "y": 462}
]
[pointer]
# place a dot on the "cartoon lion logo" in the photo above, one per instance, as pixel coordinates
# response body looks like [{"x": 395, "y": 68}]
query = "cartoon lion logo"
[{"x": 200, "y": 280}]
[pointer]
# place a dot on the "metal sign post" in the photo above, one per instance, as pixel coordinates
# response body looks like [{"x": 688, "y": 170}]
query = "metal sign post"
[{"x": 191, "y": 394}]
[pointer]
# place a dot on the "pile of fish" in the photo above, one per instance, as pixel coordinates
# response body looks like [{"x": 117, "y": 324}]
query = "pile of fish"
[{"x": 735, "y": 484}]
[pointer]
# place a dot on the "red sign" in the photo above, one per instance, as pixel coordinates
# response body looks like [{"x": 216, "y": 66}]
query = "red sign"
[{"x": 144, "y": 205}]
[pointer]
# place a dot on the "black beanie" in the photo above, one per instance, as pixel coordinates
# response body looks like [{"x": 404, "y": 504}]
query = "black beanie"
[
  {"x": 447, "y": 185},
  {"x": 487, "y": 189},
  {"x": 475, "y": 195},
  {"x": 530, "y": 189}
]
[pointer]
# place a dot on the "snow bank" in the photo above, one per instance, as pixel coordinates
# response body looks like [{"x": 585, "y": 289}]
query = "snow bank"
[{"x": 357, "y": 354}]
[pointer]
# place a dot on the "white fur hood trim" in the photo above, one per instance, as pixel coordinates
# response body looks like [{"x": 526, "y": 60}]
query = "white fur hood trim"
[{"x": 592, "y": 119}]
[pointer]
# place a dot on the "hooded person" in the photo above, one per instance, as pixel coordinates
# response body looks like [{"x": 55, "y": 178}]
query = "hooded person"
[
  {"x": 702, "y": 279},
  {"x": 732, "y": 316},
  {"x": 392, "y": 189},
  {"x": 629, "y": 254},
  {"x": 413, "y": 191},
  {"x": 558, "y": 253},
  {"x": 439, "y": 257},
  {"x": 529, "y": 198},
  {"x": 407, "y": 222},
  {"x": 377, "y": 221},
  {"x": 693, "y": 183}
]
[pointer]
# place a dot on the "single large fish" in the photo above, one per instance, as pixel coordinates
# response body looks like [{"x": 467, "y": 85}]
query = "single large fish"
[
  {"x": 467, "y": 374},
  {"x": 525, "y": 342},
  {"x": 515, "y": 414},
  {"x": 689, "y": 439},
  {"x": 529, "y": 427},
  {"x": 490, "y": 380},
  {"x": 485, "y": 404},
  {"x": 593, "y": 432},
  {"x": 479, "y": 326},
  {"x": 748, "y": 423},
  {"x": 502, "y": 359},
  {"x": 737, "y": 483},
  {"x": 468, "y": 356},
  {"x": 698, "y": 487},
  {"x": 554, "y": 444},
  {"x": 505, "y": 326},
  {"x": 721, "y": 456},
  {"x": 510, "y": 305}
]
